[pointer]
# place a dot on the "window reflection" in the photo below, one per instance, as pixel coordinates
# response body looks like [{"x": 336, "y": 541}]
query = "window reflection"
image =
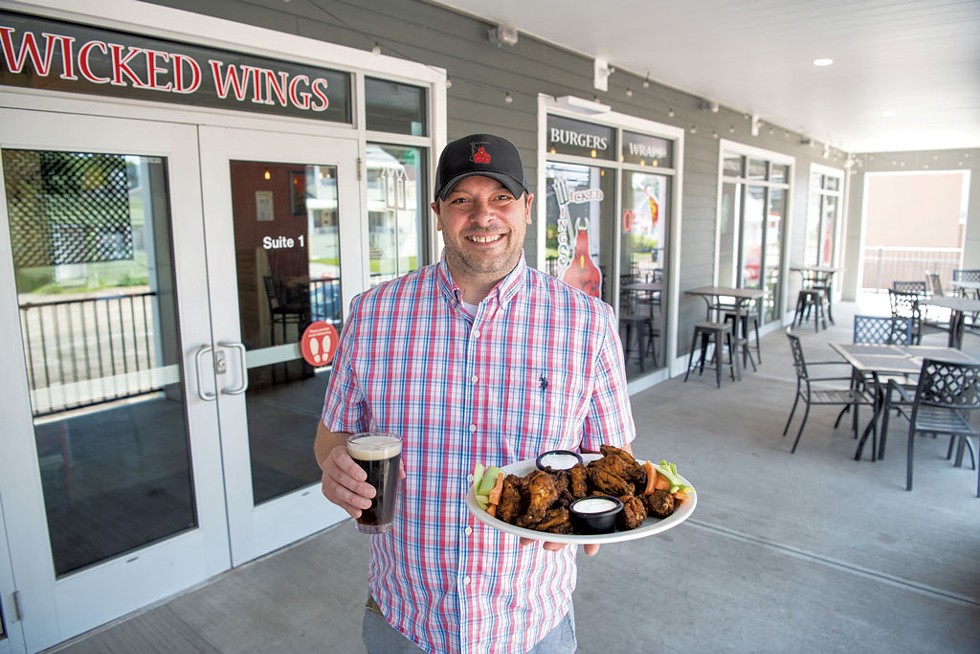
[
  {"x": 94, "y": 269},
  {"x": 396, "y": 210}
]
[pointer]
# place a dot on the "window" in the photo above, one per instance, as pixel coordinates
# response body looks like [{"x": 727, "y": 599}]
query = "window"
[
  {"x": 751, "y": 223},
  {"x": 397, "y": 209},
  {"x": 395, "y": 107},
  {"x": 823, "y": 213},
  {"x": 608, "y": 198}
]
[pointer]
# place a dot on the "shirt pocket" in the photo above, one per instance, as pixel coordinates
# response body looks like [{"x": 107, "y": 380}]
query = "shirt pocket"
[{"x": 543, "y": 411}]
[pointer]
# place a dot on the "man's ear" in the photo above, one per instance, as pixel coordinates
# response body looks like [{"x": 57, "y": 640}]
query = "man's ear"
[{"x": 435, "y": 209}]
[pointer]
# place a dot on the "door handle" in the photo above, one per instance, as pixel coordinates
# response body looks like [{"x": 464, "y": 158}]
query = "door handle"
[
  {"x": 243, "y": 368},
  {"x": 207, "y": 396}
]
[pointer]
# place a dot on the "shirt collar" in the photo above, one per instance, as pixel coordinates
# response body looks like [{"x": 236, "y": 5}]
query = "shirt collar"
[{"x": 504, "y": 290}]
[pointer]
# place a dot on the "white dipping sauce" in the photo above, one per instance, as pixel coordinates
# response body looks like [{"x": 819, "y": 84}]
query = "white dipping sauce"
[
  {"x": 559, "y": 461},
  {"x": 594, "y": 505}
]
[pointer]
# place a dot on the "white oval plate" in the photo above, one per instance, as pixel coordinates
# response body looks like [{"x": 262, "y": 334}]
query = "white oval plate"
[{"x": 649, "y": 527}]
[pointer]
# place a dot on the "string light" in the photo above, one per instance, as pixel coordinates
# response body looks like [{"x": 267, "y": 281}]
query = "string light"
[
  {"x": 646, "y": 81},
  {"x": 629, "y": 93},
  {"x": 694, "y": 129},
  {"x": 376, "y": 50},
  {"x": 670, "y": 113},
  {"x": 508, "y": 98},
  {"x": 449, "y": 82}
]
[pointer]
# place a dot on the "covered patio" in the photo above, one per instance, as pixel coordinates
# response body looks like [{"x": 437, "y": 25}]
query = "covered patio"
[{"x": 810, "y": 552}]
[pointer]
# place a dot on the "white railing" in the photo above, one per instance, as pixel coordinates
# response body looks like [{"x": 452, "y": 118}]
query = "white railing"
[{"x": 884, "y": 265}]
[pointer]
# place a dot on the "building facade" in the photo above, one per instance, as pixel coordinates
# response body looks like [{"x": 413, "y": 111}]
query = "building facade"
[{"x": 192, "y": 193}]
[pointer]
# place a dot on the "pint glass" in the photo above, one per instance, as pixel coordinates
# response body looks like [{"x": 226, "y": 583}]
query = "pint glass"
[{"x": 379, "y": 455}]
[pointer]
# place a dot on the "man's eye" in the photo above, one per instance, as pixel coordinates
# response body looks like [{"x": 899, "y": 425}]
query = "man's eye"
[{"x": 458, "y": 200}]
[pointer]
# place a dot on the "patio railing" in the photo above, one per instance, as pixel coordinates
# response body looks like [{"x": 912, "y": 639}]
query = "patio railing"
[
  {"x": 884, "y": 265},
  {"x": 84, "y": 352}
]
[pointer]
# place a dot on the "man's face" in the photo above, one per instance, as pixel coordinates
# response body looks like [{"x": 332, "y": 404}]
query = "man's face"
[{"x": 483, "y": 227}]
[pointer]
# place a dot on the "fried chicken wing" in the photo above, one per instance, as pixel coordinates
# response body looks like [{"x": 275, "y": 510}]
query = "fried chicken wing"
[
  {"x": 604, "y": 481},
  {"x": 541, "y": 492},
  {"x": 556, "y": 521},
  {"x": 578, "y": 481},
  {"x": 512, "y": 502},
  {"x": 660, "y": 503},
  {"x": 623, "y": 465},
  {"x": 633, "y": 513}
]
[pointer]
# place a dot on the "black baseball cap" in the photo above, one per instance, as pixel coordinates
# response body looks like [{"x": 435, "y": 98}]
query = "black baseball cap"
[{"x": 480, "y": 154}]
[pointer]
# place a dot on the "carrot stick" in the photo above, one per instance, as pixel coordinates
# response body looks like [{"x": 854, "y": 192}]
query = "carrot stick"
[
  {"x": 651, "y": 478},
  {"x": 495, "y": 492}
]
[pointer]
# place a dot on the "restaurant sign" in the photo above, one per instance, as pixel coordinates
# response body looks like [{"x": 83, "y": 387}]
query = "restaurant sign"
[
  {"x": 46, "y": 54},
  {"x": 576, "y": 137}
]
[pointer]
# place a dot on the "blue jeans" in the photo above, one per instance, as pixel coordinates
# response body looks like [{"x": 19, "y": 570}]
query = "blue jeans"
[{"x": 380, "y": 638}]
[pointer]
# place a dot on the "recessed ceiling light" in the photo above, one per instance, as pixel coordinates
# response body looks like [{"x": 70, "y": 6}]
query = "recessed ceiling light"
[{"x": 823, "y": 61}]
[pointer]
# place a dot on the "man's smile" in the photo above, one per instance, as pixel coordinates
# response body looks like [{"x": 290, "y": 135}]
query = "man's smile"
[{"x": 485, "y": 239}]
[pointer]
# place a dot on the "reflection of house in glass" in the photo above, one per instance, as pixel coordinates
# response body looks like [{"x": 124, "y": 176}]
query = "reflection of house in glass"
[
  {"x": 394, "y": 216},
  {"x": 322, "y": 218}
]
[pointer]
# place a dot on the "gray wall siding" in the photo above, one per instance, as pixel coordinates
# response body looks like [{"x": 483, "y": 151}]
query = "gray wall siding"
[{"x": 482, "y": 73}]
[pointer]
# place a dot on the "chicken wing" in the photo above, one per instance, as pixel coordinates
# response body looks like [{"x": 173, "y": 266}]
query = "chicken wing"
[{"x": 541, "y": 492}]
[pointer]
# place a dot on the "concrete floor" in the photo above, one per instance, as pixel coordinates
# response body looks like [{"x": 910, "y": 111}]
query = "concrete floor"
[{"x": 811, "y": 552}]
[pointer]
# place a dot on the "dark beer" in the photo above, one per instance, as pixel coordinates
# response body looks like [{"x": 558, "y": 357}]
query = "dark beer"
[{"x": 379, "y": 455}]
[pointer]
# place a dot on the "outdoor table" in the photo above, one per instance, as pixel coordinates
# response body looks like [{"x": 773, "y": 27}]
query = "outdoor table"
[
  {"x": 648, "y": 289},
  {"x": 877, "y": 361},
  {"x": 967, "y": 288},
  {"x": 741, "y": 297},
  {"x": 958, "y": 307}
]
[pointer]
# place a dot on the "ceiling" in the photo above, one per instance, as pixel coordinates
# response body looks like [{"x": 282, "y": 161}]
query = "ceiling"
[{"x": 906, "y": 73}]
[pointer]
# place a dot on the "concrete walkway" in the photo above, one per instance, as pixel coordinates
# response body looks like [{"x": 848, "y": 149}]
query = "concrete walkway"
[{"x": 811, "y": 552}]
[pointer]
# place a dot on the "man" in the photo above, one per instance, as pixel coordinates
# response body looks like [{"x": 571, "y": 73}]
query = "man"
[{"x": 476, "y": 359}]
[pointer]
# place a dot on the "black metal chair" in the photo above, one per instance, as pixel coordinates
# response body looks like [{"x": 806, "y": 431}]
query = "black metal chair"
[
  {"x": 882, "y": 330},
  {"x": 946, "y": 394},
  {"x": 969, "y": 275},
  {"x": 633, "y": 319},
  {"x": 819, "y": 395},
  {"x": 905, "y": 304},
  {"x": 281, "y": 310},
  {"x": 909, "y": 286},
  {"x": 966, "y": 275}
]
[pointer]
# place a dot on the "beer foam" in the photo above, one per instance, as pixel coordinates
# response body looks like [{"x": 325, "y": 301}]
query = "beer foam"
[{"x": 374, "y": 448}]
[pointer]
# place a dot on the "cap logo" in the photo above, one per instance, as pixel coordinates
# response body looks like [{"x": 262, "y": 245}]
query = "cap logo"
[{"x": 481, "y": 156}]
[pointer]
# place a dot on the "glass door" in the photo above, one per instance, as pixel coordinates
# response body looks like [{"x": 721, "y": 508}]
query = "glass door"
[
  {"x": 111, "y": 471},
  {"x": 284, "y": 242}
]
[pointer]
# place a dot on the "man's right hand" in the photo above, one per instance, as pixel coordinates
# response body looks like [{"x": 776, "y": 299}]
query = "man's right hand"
[{"x": 343, "y": 481}]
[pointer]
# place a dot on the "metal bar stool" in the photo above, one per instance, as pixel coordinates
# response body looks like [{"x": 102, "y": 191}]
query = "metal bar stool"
[
  {"x": 708, "y": 332},
  {"x": 810, "y": 300},
  {"x": 743, "y": 336}
]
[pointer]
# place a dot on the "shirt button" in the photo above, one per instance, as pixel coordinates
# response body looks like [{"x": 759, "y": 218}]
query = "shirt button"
[
  {"x": 466, "y": 581},
  {"x": 476, "y": 333},
  {"x": 468, "y": 531},
  {"x": 472, "y": 428},
  {"x": 475, "y": 378}
]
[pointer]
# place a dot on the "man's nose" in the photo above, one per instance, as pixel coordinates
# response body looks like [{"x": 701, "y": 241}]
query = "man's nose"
[{"x": 482, "y": 212}]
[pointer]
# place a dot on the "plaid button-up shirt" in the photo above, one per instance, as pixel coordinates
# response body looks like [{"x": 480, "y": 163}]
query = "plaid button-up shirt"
[{"x": 538, "y": 367}]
